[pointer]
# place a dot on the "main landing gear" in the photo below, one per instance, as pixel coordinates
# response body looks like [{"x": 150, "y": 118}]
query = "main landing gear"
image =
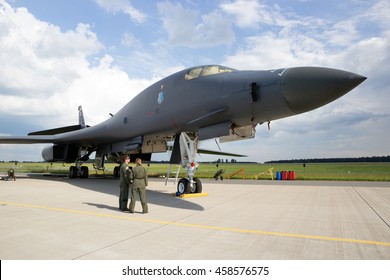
[
  {"x": 78, "y": 171},
  {"x": 188, "y": 150}
]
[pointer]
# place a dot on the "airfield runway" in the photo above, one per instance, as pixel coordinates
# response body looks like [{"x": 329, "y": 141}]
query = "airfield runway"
[{"x": 59, "y": 218}]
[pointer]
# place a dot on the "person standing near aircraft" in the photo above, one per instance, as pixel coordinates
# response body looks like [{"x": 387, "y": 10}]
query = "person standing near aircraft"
[
  {"x": 124, "y": 183},
  {"x": 140, "y": 181}
]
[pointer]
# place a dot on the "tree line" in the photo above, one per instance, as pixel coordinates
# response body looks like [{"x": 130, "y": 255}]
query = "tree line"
[{"x": 331, "y": 160}]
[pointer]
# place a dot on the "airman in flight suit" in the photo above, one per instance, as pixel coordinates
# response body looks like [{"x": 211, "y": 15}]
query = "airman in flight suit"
[
  {"x": 124, "y": 183},
  {"x": 140, "y": 181}
]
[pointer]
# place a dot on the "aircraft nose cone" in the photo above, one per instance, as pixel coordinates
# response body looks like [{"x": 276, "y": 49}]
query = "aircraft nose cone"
[{"x": 307, "y": 88}]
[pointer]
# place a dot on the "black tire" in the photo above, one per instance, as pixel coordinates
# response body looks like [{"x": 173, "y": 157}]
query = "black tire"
[
  {"x": 72, "y": 172},
  {"x": 84, "y": 172},
  {"x": 198, "y": 185},
  {"x": 183, "y": 186},
  {"x": 116, "y": 171}
]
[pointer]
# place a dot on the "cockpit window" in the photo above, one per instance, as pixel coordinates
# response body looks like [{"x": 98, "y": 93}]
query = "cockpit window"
[{"x": 206, "y": 71}]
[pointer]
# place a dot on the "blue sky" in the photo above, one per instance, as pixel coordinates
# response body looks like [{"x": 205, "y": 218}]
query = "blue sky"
[{"x": 56, "y": 55}]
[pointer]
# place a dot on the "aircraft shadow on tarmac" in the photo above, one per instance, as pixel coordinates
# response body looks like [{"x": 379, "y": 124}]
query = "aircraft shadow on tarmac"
[{"x": 109, "y": 185}]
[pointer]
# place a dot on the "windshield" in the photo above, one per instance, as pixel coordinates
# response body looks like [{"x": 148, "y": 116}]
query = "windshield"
[{"x": 206, "y": 71}]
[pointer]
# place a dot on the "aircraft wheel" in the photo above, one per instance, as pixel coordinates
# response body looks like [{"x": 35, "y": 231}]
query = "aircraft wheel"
[
  {"x": 182, "y": 186},
  {"x": 198, "y": 185},
  {"x": 72, "y": 172},
  {"x": 116, "y": 171},
  {"x": 84, "y": 172}
]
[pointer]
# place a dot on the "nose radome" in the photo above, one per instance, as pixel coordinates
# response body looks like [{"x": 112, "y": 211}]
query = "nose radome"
[{"x": 307, "y": 88}]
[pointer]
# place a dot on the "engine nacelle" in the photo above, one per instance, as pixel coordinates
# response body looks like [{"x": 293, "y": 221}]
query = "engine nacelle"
[{"x": 62, "y": 153}]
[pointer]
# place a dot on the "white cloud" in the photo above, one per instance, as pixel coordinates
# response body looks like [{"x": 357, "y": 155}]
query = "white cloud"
[
  {"x": 47, "y": 72},
  {"x": 342, "y": 33},
  {"x": 36, "y": 57},
  {"x": 312, "y": 41},
  {"x": 269, "y": 51},
  {"x": 379, "y": 13},
  {"x": 104, "y": 88},
  {"x": 254, "y": 13},
  {"x": 123, "y": 6},
  {"x": 189, "y": 28},
  {"x": 246, "y": 13},
  {"x": 129, "y": 40}
]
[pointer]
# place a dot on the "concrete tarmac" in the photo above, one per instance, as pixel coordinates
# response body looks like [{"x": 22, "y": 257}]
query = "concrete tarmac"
[{"x": 58, "y": 218}]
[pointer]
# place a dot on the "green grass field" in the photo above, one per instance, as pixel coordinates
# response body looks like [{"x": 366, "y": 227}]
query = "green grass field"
[{"x": 312, "y": 171}]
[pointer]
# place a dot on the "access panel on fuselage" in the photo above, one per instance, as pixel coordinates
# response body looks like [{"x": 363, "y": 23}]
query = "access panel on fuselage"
[{"x": 236, "y": 95}]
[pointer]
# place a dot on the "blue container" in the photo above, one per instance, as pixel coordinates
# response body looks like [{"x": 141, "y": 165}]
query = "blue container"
[{"x": 278, "y": 176}]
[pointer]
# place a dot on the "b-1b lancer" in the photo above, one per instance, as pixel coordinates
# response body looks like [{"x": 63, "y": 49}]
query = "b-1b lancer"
[{"x": 204, "y": 102}]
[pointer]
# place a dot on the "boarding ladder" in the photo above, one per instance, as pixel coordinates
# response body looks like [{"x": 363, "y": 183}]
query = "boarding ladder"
[{"x": 174, "y": 172}]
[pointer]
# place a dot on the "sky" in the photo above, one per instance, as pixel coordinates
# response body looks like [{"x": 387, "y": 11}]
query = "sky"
[{"x": 56, "y": 55}]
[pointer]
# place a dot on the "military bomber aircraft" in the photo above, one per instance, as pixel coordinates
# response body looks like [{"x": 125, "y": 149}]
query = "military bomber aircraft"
[{"x": 203, "y": 102}]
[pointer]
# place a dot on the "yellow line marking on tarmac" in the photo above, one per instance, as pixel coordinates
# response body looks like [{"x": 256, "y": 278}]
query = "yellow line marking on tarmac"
[{"x": 251, "y": 231}]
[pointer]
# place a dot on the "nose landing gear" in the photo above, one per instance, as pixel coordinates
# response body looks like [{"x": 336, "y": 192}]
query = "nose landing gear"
[
  {"x": 184, "y": 186},
  {"x": 188, "y": 150}
]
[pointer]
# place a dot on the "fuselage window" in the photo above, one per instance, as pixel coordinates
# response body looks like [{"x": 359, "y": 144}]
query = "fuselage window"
[{"x": 125, "y": 120}]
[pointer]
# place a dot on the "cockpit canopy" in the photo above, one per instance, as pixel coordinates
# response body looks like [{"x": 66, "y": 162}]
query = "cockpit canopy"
[{"x": 206, "y": 71}]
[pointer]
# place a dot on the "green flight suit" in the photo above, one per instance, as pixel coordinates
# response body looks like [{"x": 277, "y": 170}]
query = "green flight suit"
[
  {"x": 124, "y": 184},
  {"x": 140, "y": 181}
]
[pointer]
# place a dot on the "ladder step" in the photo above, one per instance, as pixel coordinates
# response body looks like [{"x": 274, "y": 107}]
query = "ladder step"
[{"x": 174, "y": 172}]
